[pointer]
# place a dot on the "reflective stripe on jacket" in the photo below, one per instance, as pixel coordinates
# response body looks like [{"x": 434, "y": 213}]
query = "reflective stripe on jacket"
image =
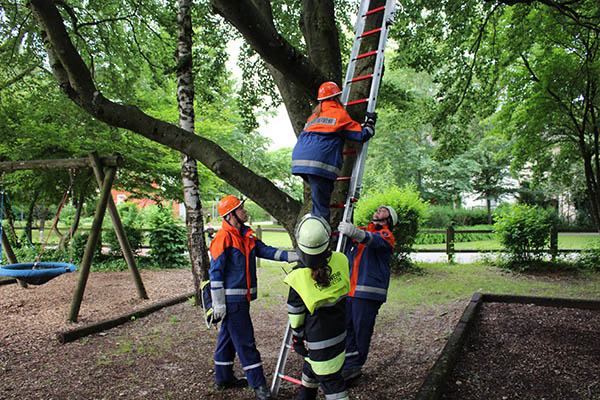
[
  {"x": 370, "y": 264},
  {"x": 233, "y": 263},
  {"x": 318, "y": 150},
  {"x": 318, "y": 314}
]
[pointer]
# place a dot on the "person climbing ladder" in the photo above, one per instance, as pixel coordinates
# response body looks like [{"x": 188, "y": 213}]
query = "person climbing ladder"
[{"x": 317, "y": 156}]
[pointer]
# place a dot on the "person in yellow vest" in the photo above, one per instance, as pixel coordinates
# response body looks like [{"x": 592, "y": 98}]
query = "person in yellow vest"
[{"x": 317, "y": 310}]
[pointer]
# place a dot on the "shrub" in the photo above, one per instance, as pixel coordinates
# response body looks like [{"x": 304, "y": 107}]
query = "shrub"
[
  {"x": 524, "y": 231},
  {"x": 78, "y": 245},
  {"x": 412, "y": 211},
  {"x": 444, "y": 216},
  {"x": 167, "y": 239},
  {"x": 132, "y": 221}
]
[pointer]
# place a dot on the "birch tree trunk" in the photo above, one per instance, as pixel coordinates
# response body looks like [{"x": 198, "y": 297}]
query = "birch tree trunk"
[{"x": 189, "y": 169}]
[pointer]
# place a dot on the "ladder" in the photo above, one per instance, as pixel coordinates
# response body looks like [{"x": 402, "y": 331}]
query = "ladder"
[{"x": 355, "y": 186}]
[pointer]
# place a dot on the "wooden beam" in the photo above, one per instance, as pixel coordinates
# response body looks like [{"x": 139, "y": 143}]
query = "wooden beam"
[
  {"x": 66, "y": 163},
  {"x": 119, "y": 230},
  {"x": 10, "y": 255},
  {"x": 92, "y": 242}
]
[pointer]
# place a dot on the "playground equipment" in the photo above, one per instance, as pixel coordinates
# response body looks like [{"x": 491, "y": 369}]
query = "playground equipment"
[
  {"x": 36, "y": 273},
  {"x": 105, "y": 170},
  {"x": 386, "y": 13}
]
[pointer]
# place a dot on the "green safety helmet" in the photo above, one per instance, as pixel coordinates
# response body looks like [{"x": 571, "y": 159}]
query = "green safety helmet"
[
  {"x": 312, "y": 235},
  {"x": 393, "y": 215}
]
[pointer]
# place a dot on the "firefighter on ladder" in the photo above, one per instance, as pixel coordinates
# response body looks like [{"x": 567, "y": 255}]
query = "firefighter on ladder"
[
  {"x": 317, "y": 156},
  {"x": 317, "y": 310},
  {"x": 369, "y": 258},
  {"x": 232, "y": 272}
]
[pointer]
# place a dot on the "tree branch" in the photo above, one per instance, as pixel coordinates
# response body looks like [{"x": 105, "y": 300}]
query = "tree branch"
[
  {"x": 75, "y": 80},
  {"x": 262, "y": 36}
]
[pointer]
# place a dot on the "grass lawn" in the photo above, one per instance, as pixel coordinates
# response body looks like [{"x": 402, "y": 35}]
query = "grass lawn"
[
  {"x": 441, "y": 283},
  {"x": 564, "y": 242}
]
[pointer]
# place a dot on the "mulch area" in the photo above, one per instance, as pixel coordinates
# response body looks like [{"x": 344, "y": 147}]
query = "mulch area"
[
  {"x": 524, "y": 351},
  {"x": 169, "y": 354}
]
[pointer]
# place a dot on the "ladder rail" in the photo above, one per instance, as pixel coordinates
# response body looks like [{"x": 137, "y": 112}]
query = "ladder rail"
[{"x": 359, "y": 165}]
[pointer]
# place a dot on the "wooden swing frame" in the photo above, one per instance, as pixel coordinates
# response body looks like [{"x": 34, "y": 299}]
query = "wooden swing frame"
[{"x": 105, "y": 170}]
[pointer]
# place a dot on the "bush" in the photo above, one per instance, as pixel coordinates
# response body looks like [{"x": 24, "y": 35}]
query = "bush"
[
  {"x": 78, "y": 245},
  {"x": 132, "y": 221},
  {"x": 444, "y": 216},
  {"x": 412, "y": 211},
  {"x": 524, "y": 231},
  {"x": 167, "y": 239}
]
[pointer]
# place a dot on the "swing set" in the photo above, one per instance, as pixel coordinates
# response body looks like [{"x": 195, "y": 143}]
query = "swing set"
[{"x": 37, "y": 273}]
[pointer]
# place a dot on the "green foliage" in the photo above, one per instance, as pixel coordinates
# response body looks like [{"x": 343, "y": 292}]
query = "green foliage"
[
  {"x": 444, "y": 216},
  {"x": 255, "y": 213},
  {"x": 132, "y": 222},
  {"x": 524, "y": 231},
  {"x": 78, "y": 245},
  {"x": 412, "y": 211},
  {"x": 167, "y": 239},
  {"x": 589, "y": 259}
]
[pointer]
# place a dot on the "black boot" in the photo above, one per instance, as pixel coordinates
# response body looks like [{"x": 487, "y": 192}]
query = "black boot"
[
  {"x": 307, "y": 393},
  {"x": 262, "y": 393},
  {"x": 234, "y": 383}
]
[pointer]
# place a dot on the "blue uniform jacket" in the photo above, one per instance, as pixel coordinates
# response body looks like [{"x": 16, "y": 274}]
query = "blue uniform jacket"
[
  {"x": 318, "y": 150},
  {"x": 370, "y": 264},
  {"x": 233, "y": 263}
]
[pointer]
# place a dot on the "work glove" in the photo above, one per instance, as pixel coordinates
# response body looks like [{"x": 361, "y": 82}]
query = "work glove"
[
  {"x": 299, "y": 347},
  {"x": 292, "y": 256},
  {"x": 346, "y": 228},
  {"x": 370, "y": 118},
  {"x": 219, "y": 311}
]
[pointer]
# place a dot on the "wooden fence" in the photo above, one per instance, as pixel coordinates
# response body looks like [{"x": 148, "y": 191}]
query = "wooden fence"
[{"x": 449, "y": 248}]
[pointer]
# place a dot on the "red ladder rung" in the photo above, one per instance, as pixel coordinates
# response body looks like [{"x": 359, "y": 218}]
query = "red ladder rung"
[
  {"x": 339, "y": 205},
  {"x": 361, "y": 78},
  {"x": 348, "y": 152},
  {"x": 342, "y": 178},
  {"x": 363, "y": 55},
  {"x": 356, "y": 102},
  {"x": 370, "y": 32},
  {"x": 290, "y": 379},
  {"x": 373, "y": 11}
]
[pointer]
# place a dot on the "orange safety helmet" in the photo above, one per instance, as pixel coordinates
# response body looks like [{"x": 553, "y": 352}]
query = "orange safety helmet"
[
  {"x": 328, "y": 90},
  {"x": 228, "y": 204}
]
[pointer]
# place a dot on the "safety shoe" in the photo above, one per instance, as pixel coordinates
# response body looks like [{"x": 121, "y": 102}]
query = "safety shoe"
[
  {"x": 262, "y": 393},
  {"x": 232, "y": 384},
  {"x": 351, "y": 374}
]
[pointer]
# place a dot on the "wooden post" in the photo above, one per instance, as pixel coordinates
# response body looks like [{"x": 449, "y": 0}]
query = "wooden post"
[
  {"x": 90, "y": 247},
  {"x": 119, "y": 230},
  {"x": 10, "y": 256},
  {"x": 553, "y": 241},
  {"x": 259, "y": 236},
  {"x": 450, "y": 244}
]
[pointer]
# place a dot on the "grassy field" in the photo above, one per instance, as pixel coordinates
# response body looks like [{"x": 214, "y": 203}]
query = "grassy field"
[{"x": 441, "y": 283}]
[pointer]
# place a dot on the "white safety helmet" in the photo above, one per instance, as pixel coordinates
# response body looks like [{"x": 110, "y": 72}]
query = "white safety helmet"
[
  {"x": 393, "y": 215},
  {"x": 312, "y": 235}
]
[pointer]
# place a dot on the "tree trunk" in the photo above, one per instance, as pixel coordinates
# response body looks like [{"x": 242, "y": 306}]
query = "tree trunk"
[{"x": 189, "y": 170}]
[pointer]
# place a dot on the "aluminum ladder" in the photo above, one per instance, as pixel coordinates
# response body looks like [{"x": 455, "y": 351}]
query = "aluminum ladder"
[{"x": 388, "y": 11}]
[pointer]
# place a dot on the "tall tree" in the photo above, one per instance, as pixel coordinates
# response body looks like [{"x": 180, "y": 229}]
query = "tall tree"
[
  {"x": 537, "y": 62},
  {"x": 297, "y": 73},
  {"x": 189, "y": 171}
]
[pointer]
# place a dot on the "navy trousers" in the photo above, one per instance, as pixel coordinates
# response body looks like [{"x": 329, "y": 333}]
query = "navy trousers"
[
  {"x": 333, "y": 385},
  {"x": 320, "y": 194},
  {"x": 237, "y": 336},
  {"x": 360, "y": 321}
]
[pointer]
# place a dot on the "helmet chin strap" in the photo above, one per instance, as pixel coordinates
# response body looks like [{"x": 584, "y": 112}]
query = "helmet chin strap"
[{"x": 381, "y": 221}]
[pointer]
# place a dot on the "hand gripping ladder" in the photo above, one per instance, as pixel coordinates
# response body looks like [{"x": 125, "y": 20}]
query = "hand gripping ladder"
[{"x": 388, "y": 11}]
